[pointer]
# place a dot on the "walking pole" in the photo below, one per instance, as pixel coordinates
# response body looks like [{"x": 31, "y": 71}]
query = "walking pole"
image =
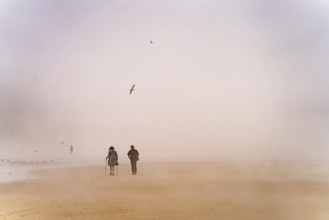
[{"x": 105, "y": 166}]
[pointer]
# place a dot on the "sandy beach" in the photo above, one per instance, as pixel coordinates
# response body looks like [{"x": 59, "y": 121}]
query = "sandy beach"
[{"x": 177, "y": 190}]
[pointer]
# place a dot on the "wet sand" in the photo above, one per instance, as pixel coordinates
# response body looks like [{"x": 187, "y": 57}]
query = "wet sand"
[{"x": 179, "y": 190}]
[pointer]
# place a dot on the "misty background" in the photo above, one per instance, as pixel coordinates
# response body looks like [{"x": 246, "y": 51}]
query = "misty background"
[{"x": 243, "y": 79}]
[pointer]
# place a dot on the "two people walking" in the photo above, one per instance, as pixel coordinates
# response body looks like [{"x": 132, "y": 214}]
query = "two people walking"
[{"x": 112, "y": 159}]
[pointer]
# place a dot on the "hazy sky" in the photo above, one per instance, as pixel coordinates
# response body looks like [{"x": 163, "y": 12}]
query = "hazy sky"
[{"x": 223, "y": 79}]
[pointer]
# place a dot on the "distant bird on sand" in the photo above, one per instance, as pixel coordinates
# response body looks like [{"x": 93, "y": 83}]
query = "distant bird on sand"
[
  {"x": 151, "y": 42},
  {"x": 132, "y": 89}
]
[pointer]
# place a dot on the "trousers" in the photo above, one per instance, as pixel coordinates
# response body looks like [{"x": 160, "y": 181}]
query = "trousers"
[{"x": 133, "y": 166}]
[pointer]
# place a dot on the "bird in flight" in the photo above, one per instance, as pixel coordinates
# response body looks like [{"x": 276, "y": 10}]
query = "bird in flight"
[
  {"x": 132, "y": 89},
  {"x": 151, "y": 42}
]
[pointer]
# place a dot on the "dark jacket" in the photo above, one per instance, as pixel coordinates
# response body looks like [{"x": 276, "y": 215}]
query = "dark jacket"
[
  {"x": 112, "y": 158},
  {"x": 133, "y": 154}
]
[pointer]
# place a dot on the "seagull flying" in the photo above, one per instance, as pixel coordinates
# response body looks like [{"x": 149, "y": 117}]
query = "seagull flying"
[{"x": 132, "y": 89}]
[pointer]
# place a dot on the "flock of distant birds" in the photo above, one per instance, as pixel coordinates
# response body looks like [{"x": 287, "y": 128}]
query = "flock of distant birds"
[
  {"x": 4, "y": 161},
  {"x": 29, "y": 162},
  {"x": 12, "y": 163}
]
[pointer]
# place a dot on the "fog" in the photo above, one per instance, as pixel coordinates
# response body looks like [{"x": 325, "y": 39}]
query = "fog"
[{"x": 246, "y": 79}]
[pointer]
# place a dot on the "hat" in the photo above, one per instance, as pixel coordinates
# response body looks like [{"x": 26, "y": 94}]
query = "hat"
[
  {"x": 132, "y": 146},
  {"x": 111, "y": 148}
]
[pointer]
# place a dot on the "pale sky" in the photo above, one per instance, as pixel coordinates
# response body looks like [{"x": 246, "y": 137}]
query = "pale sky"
[{"x": 244, "y": 79}]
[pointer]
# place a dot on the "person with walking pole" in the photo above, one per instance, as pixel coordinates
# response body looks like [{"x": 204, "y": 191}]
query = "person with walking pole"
[
  {"x": 112, "y": 160},
  {"x": 134, "y": 157}
]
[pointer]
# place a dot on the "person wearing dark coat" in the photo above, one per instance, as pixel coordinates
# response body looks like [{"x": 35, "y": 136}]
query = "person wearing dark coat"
[
  {"x": 112, "y": 159},
  {"x": 134, "y": 157}
]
